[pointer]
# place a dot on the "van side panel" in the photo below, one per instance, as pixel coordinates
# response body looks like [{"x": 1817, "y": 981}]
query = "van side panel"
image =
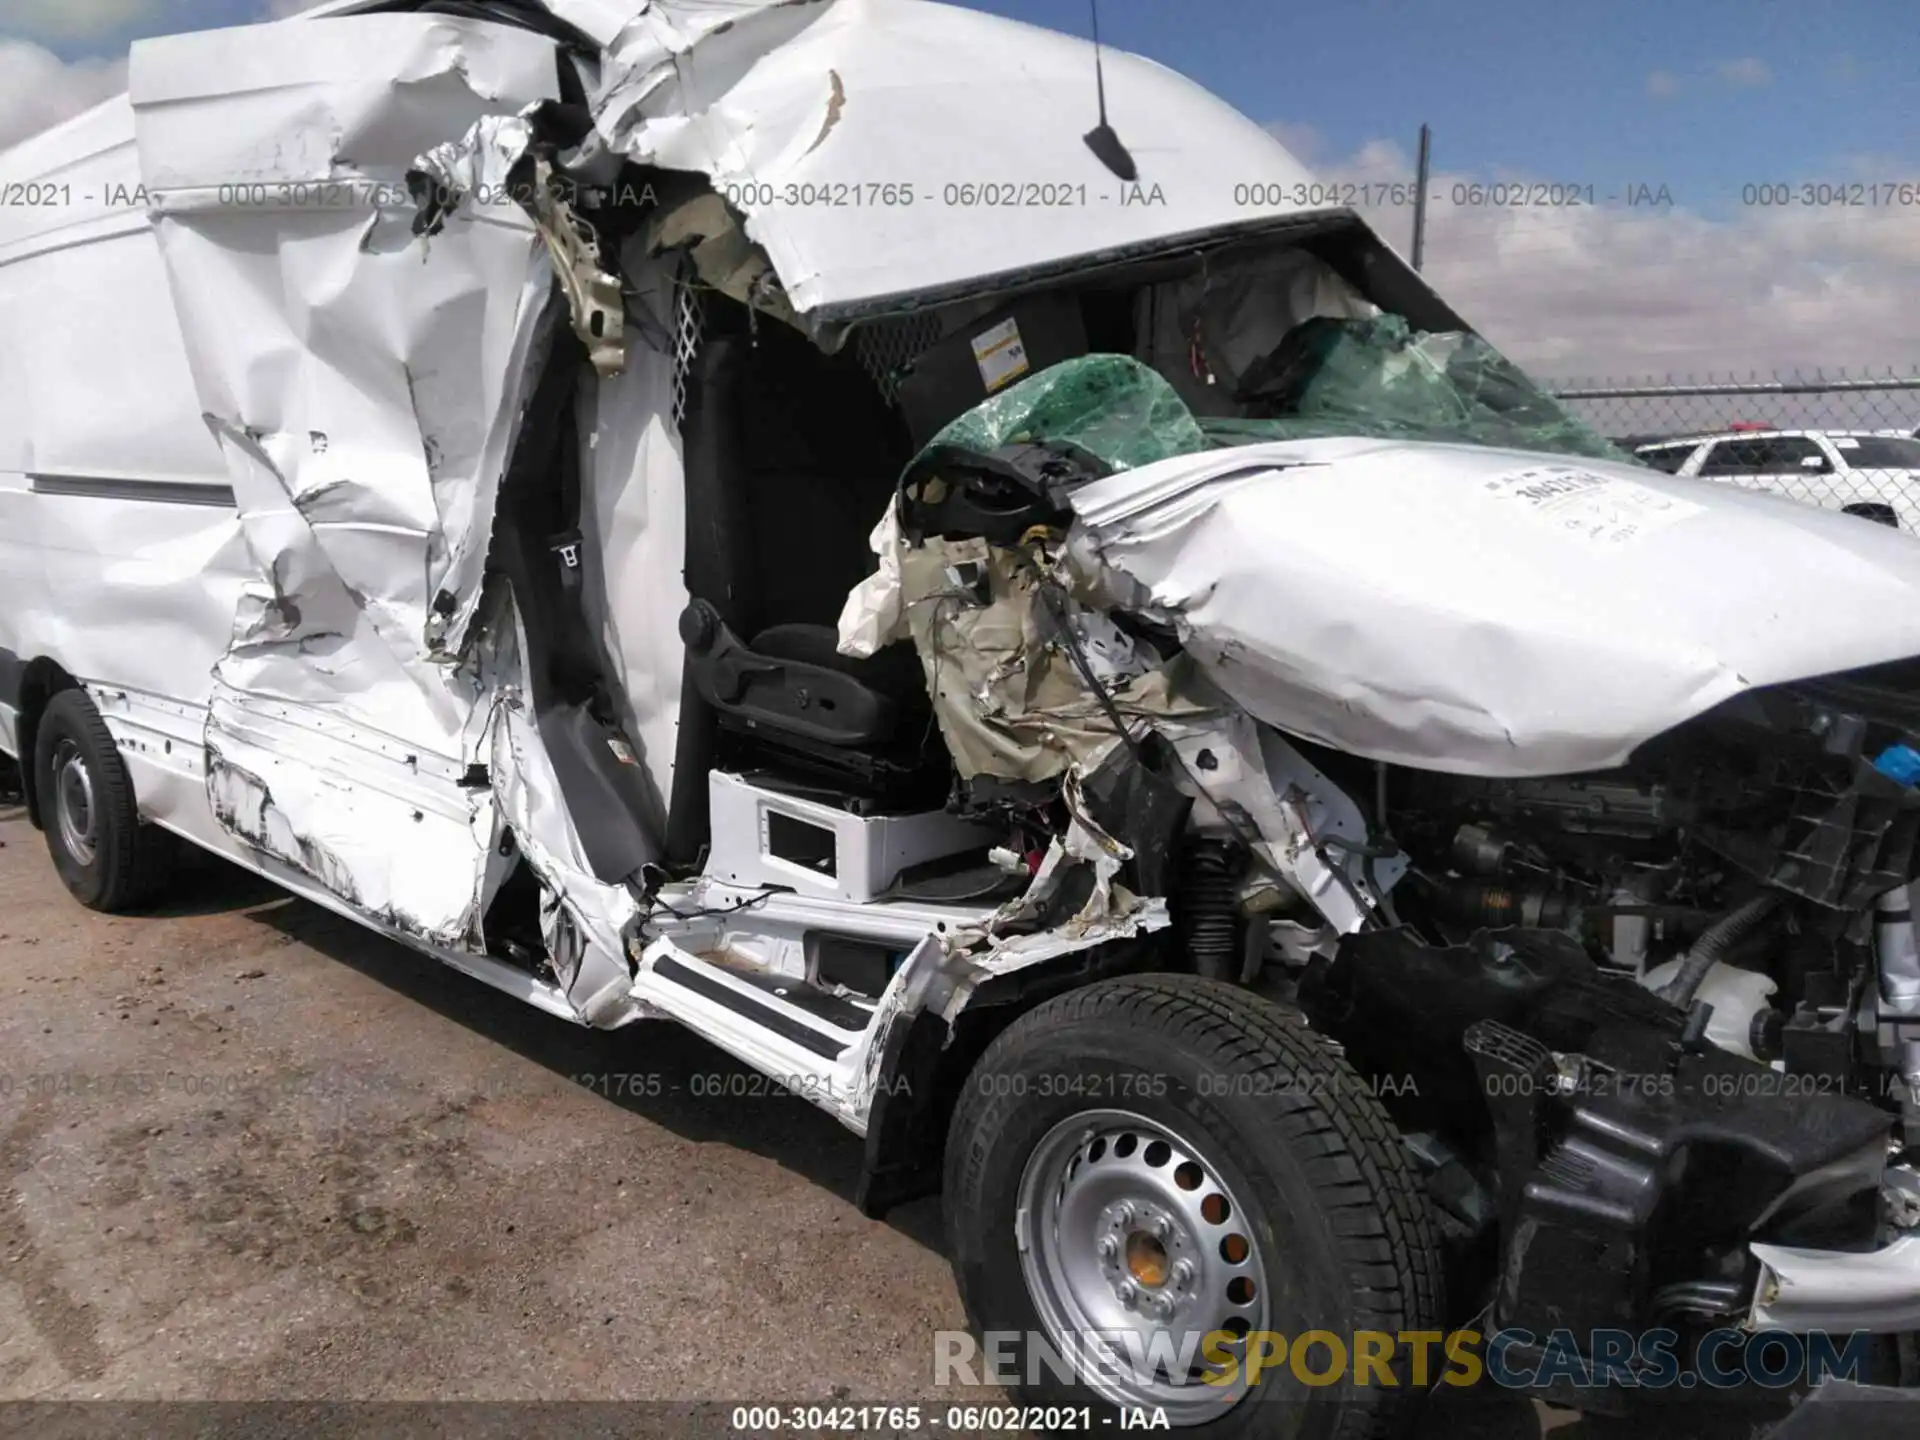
[
  {"x": 120, "y": 552},
  {"x": 242, "y": 494}
]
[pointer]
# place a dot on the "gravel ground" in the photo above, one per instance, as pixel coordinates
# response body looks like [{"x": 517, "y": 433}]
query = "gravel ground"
[
  {"x": 255, "y": 1151},
  {"x": 252, "y": 1152}
]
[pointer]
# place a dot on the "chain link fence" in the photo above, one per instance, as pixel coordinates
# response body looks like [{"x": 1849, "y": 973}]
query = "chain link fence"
[{"x": 1845, "y": 443}]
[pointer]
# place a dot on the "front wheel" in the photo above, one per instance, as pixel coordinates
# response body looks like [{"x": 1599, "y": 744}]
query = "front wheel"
[
  {"x": 1153, "y": 1181},
  {"x": 105, "y": 856}
]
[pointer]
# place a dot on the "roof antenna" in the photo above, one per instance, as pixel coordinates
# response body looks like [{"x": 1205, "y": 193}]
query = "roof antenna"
[{"x": 1102, "y": 140}]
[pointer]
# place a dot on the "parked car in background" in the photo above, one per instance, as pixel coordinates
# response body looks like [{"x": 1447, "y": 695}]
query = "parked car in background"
[{"x": 1873, "y": 474}]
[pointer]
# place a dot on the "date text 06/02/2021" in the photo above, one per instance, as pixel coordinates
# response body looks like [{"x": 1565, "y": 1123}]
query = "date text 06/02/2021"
[{"x": 954, "y": 1419}]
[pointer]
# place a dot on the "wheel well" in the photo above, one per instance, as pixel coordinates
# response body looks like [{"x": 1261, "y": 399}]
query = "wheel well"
[
  {"x": 41, "y": 681},
  {"x": 926, "y": 1062}
]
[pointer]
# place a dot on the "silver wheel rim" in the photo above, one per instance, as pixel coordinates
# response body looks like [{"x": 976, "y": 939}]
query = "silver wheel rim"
[
  {"x": 73, "y": 805},
  {"x": 1128, "y": 1232}
]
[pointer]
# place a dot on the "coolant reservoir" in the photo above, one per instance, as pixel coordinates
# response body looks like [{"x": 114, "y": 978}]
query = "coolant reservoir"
[{"x": 1736, "y": 996}]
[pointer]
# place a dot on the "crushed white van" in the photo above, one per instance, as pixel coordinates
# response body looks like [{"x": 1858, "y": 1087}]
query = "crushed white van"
[{"x": 948, "y": 564}]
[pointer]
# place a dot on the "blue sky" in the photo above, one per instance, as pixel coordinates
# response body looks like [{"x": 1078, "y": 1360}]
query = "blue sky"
[
  {"x": 1574, "y": 91},
  {"x": 1702, "y": 97}
]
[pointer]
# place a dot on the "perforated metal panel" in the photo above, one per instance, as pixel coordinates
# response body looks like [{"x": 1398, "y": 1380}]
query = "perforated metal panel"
[
  {"x": 885, "y": 346},
  {"x": 688, "y": 317}
]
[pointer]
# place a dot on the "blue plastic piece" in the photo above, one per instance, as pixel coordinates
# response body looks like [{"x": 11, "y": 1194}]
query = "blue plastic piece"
[{"x": 1900, "y": 762}]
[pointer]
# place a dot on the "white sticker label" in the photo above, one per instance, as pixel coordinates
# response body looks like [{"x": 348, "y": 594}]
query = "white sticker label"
[
  {"x": 1597, "y": 508},
  {"x": 1001, "y": 355}
]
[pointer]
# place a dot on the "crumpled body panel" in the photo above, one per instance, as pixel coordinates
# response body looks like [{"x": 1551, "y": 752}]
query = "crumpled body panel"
[
  {"x": 1483, "y": 611},
  {"x": 364, "y": 388},
  {"x": 814, "y": 117}
]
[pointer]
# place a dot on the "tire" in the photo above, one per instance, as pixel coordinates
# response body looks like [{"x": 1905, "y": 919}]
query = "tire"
[
  {"x": 1337, "y": 1236},
  {"x": 106, "y": 857}
]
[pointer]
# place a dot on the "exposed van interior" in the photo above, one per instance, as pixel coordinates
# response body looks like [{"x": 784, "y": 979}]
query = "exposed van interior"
[
  {"x": 794, "y": 439},
  {"x": 791, "y": 457}
]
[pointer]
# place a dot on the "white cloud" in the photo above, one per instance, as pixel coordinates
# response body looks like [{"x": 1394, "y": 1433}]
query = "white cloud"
[
  {"x": 1746, "y": 73},
  {"x": 73, "y": 19},
  {"x": 1303, "y": 141},
  {"x": 1629, "y": 291},
  {"x": 37, "y": 90},
  {"x": 1662, "y": 84}
]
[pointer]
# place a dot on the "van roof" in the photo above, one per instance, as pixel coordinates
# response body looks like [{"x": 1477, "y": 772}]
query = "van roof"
[{"x": 884, "y": 152}]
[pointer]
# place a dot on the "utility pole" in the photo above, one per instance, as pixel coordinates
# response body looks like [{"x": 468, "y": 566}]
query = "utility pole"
[{"x": 1420, "y": 195}]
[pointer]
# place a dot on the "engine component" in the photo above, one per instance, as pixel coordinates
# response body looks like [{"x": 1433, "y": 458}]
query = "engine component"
[
  {"x": 1736, "y": 998},
  {"x": 1632, "y": 928},
  {"x": 1713, "y": 946},
  {"x": 1480, "y": 849},
  {"x": 1497, "y": 906},
  {"x": 1620, "y": 1153},
  {"x": 1619, "y": 806},
  {"x": 1765, "y": 1036},
  {"x": 1817, "y": 1042}
]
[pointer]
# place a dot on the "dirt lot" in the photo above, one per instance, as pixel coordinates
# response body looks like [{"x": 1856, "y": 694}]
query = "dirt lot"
[{"x": 253, "y": 1152}]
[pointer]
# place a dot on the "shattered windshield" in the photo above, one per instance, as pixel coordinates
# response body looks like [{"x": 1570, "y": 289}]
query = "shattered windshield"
[
  {"x": 1378, "y": 378},
  {"x": 1372, "y": 378}
]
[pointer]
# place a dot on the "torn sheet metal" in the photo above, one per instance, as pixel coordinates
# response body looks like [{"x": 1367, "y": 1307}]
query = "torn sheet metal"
[
  {"x": 497, "y": 162},
  {"x": 379, "y": 376},
  {"x": 584, "y": 922},
  {"x": 391, "y": 833},
  {"x": 1008, "y": 942},
  {"x": 1008, "y": 695},
  {"x": 1309, "y": 831},
  {"x": 363, "y": 388},
  {"x": 1006, "y": 954},
  {"x": 601, "y": 21},
  {"x": 708, "y": 230},
  {"x": 1449, "y": 606},
  {"x": 864, "y": 140},
  {"x": 1108, "y": 905},
  {"x": 311, "y": 103},
  {"x": 1033, "y": 927}
]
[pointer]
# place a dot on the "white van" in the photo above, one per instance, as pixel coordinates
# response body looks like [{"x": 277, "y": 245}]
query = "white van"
[{"x": 949, "y": 564}]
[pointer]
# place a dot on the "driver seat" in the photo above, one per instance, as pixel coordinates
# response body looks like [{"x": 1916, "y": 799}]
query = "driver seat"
[{"x": 792, "y": 693}]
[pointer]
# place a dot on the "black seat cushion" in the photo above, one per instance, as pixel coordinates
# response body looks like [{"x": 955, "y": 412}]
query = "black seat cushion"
[{"x": 894, "y": 672}]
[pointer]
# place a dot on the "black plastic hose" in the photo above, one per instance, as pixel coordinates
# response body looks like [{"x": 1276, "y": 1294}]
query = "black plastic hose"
[{"x": 1712, "y": 946}]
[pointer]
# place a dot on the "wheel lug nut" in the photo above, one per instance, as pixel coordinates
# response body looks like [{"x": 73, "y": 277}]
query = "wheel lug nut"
[
  {"x": 1109, "y": 1247},
  {"x": 1183, "y": 1273},
  {"x": 1160, "y": 1228},
  {"x": 1127, "y": 1293}
]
